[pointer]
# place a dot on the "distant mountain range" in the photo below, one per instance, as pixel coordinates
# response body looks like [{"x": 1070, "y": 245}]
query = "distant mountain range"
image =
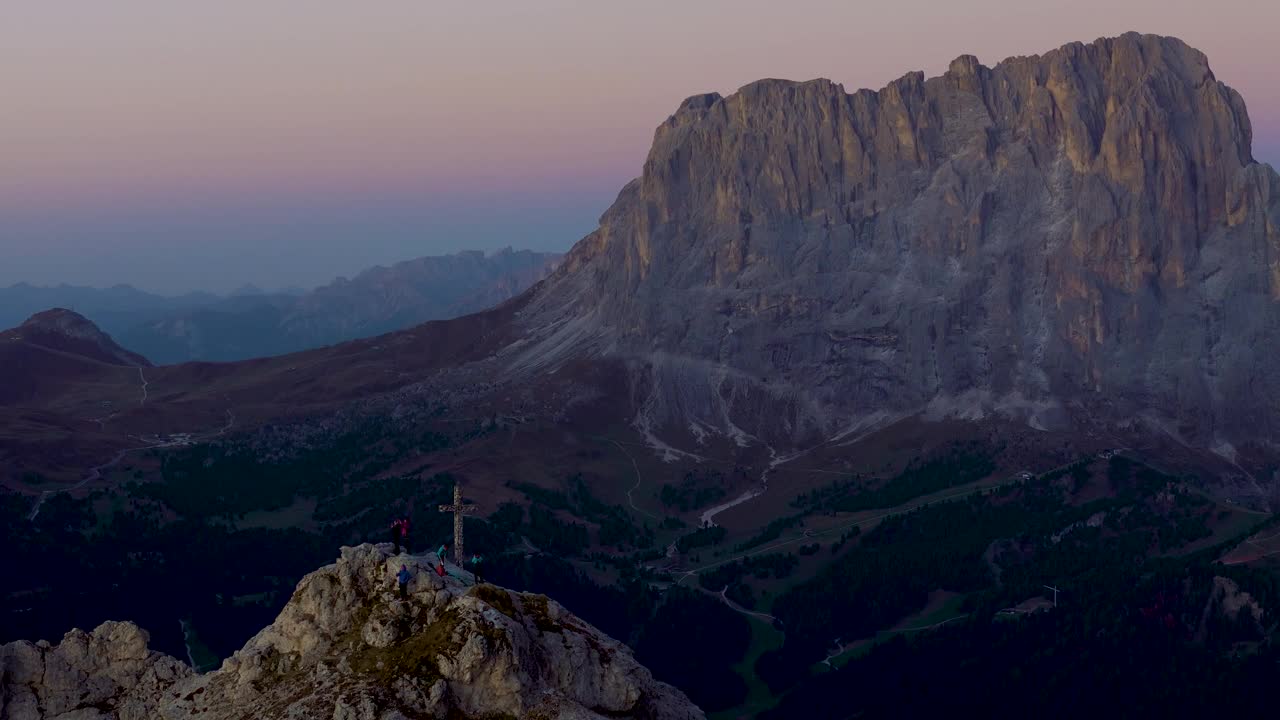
[
  {"x": 251, "y": 322},
  {"x": 113, "y": 309}
]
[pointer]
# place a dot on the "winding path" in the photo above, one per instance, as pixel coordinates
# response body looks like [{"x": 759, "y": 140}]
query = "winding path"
[
  {"x": 809, "y": 534},
  {"x": 231, "y": 421},
  {"x": 95, "y": 473},
  {"x": 1256, "y": 542},
  {"x": 739, "y": 608},
  {"x": 899, "y": 510},
  {"x": 924, "y": 627},
  {"x": 842, "y": 649},
  {"x": 143, "y": 378},
  {"x": 102, "y": 421},
  {"x": 707, "y": 518},
  {"x": 630, "y": 499}
]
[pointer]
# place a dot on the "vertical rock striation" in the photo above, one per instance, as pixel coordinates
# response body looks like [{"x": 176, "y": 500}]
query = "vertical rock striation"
[{"x": 1079, "y": 234}]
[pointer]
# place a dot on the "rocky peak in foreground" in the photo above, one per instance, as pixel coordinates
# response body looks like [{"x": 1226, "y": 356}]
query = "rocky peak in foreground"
[
  {"x": 346, "y": 647},
  {"x": 1078, "y": 237},
  {"x": 69, "y": 331}
]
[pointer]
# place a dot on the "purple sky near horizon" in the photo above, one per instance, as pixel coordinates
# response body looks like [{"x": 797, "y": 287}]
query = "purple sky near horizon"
[{"x": 183, "y": 146}]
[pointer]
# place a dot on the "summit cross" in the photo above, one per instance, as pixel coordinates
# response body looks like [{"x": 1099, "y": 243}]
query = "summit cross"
[{"x": 458, "y": 510}]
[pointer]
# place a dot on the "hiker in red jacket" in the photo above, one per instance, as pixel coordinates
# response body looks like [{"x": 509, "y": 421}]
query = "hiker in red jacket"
[{"x": 404, "y": 533}]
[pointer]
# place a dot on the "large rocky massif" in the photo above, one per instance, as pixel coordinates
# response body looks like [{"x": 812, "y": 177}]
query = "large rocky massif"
[
  {"x": 1079, "y": 241},
  {"x": 347, "y": 647},
  {"x": 1075, "y": 238}
]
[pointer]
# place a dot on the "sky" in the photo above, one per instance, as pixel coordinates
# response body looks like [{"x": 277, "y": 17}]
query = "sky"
[{"x": 184, "y": 146}]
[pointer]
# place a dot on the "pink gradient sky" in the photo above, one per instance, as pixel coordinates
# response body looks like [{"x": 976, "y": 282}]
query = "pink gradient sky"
[{"x": 147, "y": 135}]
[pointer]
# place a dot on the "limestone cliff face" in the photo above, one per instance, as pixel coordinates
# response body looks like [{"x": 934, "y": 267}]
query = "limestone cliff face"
[
  {"x": 1080, "y": 234},
  {"x": 345, "y": 647}
]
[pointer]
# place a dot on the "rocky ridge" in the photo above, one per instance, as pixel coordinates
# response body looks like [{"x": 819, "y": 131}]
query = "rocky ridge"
[
  {"x": 346, "y": 647},
  {"x": 376, "y": 301}
]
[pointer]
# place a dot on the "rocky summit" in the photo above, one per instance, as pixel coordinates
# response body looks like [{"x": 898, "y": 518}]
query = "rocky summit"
[
  {"x": 347, "y": 647},
  {"x": 1075, "y": 238},
  {"x": 68, "y": 331}
]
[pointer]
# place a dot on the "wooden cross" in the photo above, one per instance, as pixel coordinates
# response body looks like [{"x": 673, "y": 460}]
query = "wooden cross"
[{"x": 458, "y": 510}]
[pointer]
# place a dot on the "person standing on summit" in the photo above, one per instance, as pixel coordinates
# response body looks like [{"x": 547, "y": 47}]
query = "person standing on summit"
[
  {"x": 404, "y": 533},
  {"x": 396, "y": 530},
  {"x": 403, "y": 578}
]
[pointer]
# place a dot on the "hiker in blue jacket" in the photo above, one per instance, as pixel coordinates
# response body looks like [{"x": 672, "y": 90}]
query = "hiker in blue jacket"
[
  {"x": 403, "y": 576},
  {"x": 475, "y": 568}
]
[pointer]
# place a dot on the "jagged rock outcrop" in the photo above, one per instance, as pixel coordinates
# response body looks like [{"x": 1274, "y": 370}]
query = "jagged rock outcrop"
[
  {"x": 1077, "y": 235},
  {"x": 1232, "y": 601},
  {"x": 1233, "y": 604},
  {"x": 106, "y": 673},
  {"x": 346, "y": 647}
]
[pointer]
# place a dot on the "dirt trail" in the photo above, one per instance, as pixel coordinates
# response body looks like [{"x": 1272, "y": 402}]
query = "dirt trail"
[
  {"x": 735, "y": 606},
  {"x": 231, "y": 422},
  {"x": 890, "y": 512},
  {"x": 630, "y": 498},
  {"x": 809, "y": 534},
  {"x": 842, "y": 649},
  {"x": 95, "y": 473},
  {"x": 1262, "y": 551},
  {"x": 707, "y": 518}
]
